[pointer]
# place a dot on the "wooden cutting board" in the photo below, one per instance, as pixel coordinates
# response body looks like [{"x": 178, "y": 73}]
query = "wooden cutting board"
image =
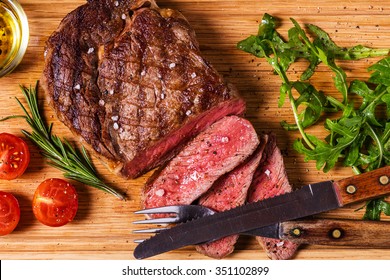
[{"x": 103, "y": 226}]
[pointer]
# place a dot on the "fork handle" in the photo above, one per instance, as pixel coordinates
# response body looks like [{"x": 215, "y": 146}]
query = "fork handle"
[{"x": 337, "y": 232}]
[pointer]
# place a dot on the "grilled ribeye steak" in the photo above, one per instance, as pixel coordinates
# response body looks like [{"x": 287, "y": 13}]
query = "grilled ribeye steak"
[
  {"x": 269, "y": 180},
  {"x": 228, "y": 192},
  {"x": 129, "y": 78},
  {"x": 212, "y": 153}
]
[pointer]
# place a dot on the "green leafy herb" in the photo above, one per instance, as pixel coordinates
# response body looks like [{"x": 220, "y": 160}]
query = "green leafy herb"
[
  {"x": 75, "y": 164},
  {"x": 359, "y": 136},
  {"x": 374, "y": 208}
]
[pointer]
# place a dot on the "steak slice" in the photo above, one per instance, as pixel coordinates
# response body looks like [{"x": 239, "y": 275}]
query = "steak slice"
[
  {"x": 270, "y": 180},
  {"x": 129, "y": 79},
  {"x": 228, "y": 192},
  {"x": 214, "y": 152}
]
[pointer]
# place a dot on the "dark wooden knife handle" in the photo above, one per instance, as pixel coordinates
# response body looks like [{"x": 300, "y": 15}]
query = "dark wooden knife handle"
[
  {"x": 337, "y": 232},
  {"x": 365, "y": 186}
]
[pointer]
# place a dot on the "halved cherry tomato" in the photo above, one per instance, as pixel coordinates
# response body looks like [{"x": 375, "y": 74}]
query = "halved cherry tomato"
[
  {"x": 55, "y": 202},
  {"x": 14, "y": 156},
  {"x": 9, "y": 213}
]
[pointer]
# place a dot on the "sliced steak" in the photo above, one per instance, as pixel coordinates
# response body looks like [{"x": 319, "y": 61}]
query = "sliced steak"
[
  {"x": 129, "y": 79},
  {"x": 270, "y": 180},
  {"x": 214, "y": 152},
  {"x": 230, "y": 191}
]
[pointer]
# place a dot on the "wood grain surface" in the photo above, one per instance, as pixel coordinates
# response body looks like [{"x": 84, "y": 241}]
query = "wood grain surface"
[{"x": 103, "y": 225}]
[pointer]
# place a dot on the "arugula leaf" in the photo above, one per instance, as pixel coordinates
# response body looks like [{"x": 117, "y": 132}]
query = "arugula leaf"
[
  {"x": 359, "y": 135},
  {"x": 356, "y": 134},
  {"x": 345, "y": 131},
  {"x": 381, "y": 73},
  {"x": 313, "y": 101},
  {"x": 294, "y": 48},
  {"x": 354, "y": 53},
  {"x": 374, "y": 208}
]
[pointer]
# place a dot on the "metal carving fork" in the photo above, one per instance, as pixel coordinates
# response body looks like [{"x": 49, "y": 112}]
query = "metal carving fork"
[
  {"x": 309, "y": 231},
  {"x": 174, "y": 214}
]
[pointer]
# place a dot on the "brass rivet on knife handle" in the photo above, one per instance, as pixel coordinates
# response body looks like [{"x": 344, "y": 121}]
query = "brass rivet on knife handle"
[
  {"x": 365, "y": 186},
  {"x": 384, "y": 180},
  {"x": 336, "y": 233},
  {"x": 351, "y": 189},
  {"x": 296, "y": 232}
]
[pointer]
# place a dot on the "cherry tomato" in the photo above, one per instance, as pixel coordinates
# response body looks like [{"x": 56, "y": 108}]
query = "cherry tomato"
[
  {"x": 14, "y": 156},
  {"x": 9, "y": 213},
  {"x": 55, "y": 202}
]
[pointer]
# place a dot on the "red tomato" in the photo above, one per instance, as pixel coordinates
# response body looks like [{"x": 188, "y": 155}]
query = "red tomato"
[
  {"x": 55, "y": 202},
  {"x": 9, "y": 213},
  {"x": 14, "y": 156}
]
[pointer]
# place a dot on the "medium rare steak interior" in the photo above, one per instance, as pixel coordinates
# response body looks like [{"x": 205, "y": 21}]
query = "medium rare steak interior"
[
  {"x": 228, "y": 192},
  {"x": 129, "y": 79},
  {"x": 214, "y": 152}
]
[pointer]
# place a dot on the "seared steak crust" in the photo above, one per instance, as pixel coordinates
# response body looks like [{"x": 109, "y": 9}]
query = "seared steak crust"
[
  {"x": 211, "y": 154},
  {"x": 129, "y": 79},
  {"x": 269, "y": 180}
]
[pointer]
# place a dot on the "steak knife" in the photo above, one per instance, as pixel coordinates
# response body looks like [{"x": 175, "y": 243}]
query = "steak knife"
[{"x": 309, "y": 200}]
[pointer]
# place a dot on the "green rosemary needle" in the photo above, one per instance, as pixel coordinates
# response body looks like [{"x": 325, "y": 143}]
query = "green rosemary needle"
[{"x": 75, "y": 164}]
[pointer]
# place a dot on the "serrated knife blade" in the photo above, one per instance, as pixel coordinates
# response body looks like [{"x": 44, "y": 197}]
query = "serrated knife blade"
[{"x": 309, "y": 200}]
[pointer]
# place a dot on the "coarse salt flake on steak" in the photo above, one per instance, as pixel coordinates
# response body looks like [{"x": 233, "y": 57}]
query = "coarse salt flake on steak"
[{"x": 129, "y": 79}]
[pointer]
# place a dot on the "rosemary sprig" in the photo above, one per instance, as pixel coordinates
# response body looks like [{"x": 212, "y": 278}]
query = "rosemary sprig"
[{"x": 75, "y": 164}]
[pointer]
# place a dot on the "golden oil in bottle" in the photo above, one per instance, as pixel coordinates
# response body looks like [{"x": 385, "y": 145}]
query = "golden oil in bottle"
[
  {"x": 9, "y": 32},
  {"x": 14, "y": 35}
]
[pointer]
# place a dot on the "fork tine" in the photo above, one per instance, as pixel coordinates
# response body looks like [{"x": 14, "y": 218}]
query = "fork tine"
[
  {"x": 158, "y": 210},
  {"x": 168, "y": 220},
  {"x": 149, "y": 230}
]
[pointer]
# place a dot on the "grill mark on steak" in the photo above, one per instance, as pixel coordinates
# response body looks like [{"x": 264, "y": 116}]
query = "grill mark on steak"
[
  {"x": 228, "y": 192},
  {"x": 214, "y": 152},
  {"x": 131, "y": 82},
  {"x": 270, "y": 180}
]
